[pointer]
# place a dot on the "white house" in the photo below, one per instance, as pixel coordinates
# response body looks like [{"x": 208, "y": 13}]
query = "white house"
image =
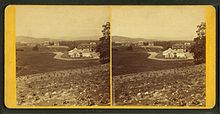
[
  {"x": 74, "y": 53},
  {"x": 169, "y": 53},
  {"x": 181, "y": 55},
  {"x": 86, "y": 53}
]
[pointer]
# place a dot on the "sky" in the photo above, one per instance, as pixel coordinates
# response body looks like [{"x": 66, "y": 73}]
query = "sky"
[
  {"x": 76, "y": 22},
  {"x": 60, "y": 21},
  {"x": 163, "y": 23}
]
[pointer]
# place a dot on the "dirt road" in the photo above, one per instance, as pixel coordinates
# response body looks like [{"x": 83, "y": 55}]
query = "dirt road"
[
  {"x": 154, "y": 54},
  {"x": 59, "y": 56}
]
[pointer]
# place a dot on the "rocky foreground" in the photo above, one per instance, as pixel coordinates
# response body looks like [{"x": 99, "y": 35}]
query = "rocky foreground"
[
  {"x": 77, "y": 87},
  {"x": 174, "y": 87}
]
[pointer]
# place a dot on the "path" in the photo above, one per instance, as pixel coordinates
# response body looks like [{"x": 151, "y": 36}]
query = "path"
[
  {"x": 59, "y": 56},
  {"x": 154, "y": 54}
]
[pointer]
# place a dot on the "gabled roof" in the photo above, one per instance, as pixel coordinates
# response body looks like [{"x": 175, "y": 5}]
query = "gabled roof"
[
  {"x": 85, "y": 51},
  {"x": 169, "y": 51},
  {"x": 74, "y": 50}
]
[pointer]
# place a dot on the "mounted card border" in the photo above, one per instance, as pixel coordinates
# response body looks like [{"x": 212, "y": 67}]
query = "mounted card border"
[{"x": 10, "y": 62}]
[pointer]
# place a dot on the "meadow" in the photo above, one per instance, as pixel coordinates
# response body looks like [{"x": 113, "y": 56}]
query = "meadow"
[
  {"x": 45, "y": 81},
  {"x": 139, "y": 81},
  {"x": 136, "y": 60},
  {"x": 31, "y": 62}
]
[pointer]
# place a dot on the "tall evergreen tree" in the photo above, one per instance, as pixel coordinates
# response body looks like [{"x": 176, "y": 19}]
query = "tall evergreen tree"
[
  {"x": 104, "y": 46},
  {"x": 199, "y": 46}
]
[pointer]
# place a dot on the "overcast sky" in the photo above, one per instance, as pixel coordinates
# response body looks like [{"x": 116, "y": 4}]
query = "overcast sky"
[
  {"x": 150, "y": 22},
  {"x": 164, "y": 23},
  {"x": 60, "y": 21}
]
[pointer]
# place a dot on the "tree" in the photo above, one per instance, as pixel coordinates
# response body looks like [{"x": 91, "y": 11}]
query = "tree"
[
  {"x": 35, "y": 48},
  {"x": 198, "y": 48},
  {"x": 130, "y": 48},
  {"x": 104, "y": 46}
]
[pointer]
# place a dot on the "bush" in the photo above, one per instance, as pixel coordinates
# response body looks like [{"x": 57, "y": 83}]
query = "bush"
[
  {"x": 19, "y": 49},
  {"x": 129, "y": 48},
  {"x": 35, "y": 48},
  {"x": 114, "y": 49}
]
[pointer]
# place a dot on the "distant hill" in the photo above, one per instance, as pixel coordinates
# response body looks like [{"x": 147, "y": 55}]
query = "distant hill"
[
  {"x": 29, "y": 39},
  {"x": 123, "y": 38},
  {"x": 70, "y": 38}
]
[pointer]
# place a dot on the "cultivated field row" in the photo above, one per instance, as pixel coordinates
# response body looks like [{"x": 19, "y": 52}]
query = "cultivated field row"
[
  {"x": 82, "y": 87},
  {"x": 174, "y": 87}
]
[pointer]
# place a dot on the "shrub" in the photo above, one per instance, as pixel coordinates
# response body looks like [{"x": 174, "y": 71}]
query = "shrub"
[{"x": 35, "y": 48}]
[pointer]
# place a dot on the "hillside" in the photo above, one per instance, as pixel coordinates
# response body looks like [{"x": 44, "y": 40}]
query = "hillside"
[
  {"x": 147, "y": 39},
  {"x": 75, "y": 87},
  {"x": 125, "y": 39},
  {"x": 32, "y": 62},
  {"x": 173, "y": 87},
  {"x": 29, "y": 39}
]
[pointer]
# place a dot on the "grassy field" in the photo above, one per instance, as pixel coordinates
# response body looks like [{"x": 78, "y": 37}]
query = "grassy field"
[
  {"x": 183, "y": 86},
  {"x": 86, "y": 86},
  {"x": 45, "y": 81},
  {"x": 136, "y": 60},
  {"x": 31, "y": 62}
]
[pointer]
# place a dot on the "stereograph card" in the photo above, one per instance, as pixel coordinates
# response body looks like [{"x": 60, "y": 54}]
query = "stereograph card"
[{"x": 110, "y": 56}]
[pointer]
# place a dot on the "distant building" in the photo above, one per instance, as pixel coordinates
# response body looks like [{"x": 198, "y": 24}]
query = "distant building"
[
  {"x": 126, "y": 43},
  {"x": 93, "y": 46},
  {"x": 150, "y": 43},
  {"x": 121, "y": 43},
  {"x": 169, "y": 53},
  {"x": 85, "y": 46},
  {"x": 86, "y": 53},
  {"x": 140, "y": 43},
  {"x": 77, "y": 53},
  {"x": 56, "y": 43},
  {"x": 32, "y": 44},
  {"x": 172, "y": 54},
  {"x": 20, "y": 44},
  {"x": 46, "y": 43},
  {"x": 179, "y": 47}
]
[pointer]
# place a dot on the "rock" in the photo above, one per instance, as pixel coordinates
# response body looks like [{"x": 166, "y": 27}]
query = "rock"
[
  {"x": 54, "y": 92},
  {"x": 138, "y": 94},
  {"x": 46, "y": 94},
  {"x": 29, "y": 96},
  {"x": 146, "y": 93}
]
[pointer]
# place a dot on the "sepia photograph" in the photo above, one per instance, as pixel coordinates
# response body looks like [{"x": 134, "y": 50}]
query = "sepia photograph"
[
  {"x": 62, "y": 56},
  {"x": 159, "y": 56}
]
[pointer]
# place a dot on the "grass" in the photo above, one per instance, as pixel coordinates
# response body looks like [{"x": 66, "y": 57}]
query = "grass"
[
  {"x": 31, "y": 62},
  {"x": 126, "y": 62}
]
